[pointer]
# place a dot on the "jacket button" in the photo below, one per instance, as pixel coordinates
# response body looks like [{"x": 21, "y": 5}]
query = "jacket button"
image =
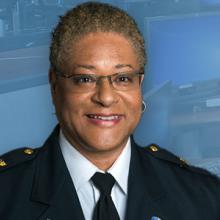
[
  {"x": 183, "y": 162},
  {"x": 28, "y": 151},
  {"x": 154, "y": 148},
  {"x": 2, "y": 163}
]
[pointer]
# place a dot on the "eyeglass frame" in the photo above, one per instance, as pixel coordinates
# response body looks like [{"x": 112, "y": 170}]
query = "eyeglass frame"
[{"x": 98, "y": 77}]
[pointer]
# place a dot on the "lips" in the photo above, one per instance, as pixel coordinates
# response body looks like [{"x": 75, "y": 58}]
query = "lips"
[{"x": 104, "y": 120}]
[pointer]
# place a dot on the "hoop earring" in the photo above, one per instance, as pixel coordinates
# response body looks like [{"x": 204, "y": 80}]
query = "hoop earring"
[{"x": 143, "y": 106}]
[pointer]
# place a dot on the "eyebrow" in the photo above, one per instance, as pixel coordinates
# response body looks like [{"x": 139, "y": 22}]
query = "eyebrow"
[
  {"x": 118, "y": 66},
  {"x": 90, "y": 67}
]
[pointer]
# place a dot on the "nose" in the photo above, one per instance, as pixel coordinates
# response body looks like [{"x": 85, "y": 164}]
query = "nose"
[{"x": 105, "y": 95}]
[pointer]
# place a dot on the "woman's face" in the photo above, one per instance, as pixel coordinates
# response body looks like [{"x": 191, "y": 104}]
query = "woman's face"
[{"x": 100, "y": 120}]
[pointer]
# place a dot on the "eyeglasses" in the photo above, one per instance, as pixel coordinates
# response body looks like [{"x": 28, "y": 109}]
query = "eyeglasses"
[{"x": 81, "y": 83}]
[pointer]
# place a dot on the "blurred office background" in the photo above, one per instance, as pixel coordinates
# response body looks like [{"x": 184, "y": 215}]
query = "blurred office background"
[{"x": 182, "y": 81}]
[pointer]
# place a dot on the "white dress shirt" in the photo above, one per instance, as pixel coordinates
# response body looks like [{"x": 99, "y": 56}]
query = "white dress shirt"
[{"x": 81, "y": 170}]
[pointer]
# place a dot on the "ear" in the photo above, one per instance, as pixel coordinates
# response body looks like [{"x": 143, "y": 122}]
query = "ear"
[
  {"x": 142, "y": 78},
  {"x": 53, "y": 82},
  {"x": 142, "y": 75},
  {"x": 52, "y": 79}
]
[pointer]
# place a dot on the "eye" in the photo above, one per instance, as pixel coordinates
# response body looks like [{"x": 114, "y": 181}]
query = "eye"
[
  {"x": 123, "y": 78},
  {"x": 82, "y": 79}
]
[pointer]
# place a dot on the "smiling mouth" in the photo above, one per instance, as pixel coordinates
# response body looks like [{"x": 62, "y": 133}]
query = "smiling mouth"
[{"x": 105, "y": 118}]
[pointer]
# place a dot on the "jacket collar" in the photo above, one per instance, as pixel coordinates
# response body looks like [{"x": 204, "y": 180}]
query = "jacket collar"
[
  {"x": 50, "y": 170},
  {"x": 52, "y": 182},
  {"x": 52, "y": 185},
  {"x": 145, "y": 191}
]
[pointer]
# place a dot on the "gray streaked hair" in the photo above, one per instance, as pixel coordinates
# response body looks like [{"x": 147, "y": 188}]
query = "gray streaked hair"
[{"x": 91, "y": 17}]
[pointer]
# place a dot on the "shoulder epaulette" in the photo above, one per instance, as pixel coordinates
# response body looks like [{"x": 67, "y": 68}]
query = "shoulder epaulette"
[
  {"x": 16, "y": 157},
  {"x": 165, "y": 155}
]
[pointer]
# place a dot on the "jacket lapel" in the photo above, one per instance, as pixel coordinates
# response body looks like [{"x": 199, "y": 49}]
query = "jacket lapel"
[
  {"x": 53, "y": 185},
  {"x": 145, "y": 192},
  {"x": 55, "y": 195}
]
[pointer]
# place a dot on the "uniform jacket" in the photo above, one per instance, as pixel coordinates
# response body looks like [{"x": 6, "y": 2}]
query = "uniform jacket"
[{"x": 36, "y": 185}]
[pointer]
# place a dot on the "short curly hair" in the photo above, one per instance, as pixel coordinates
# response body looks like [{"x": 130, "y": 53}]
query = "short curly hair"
[{"x": 91, "y": 17}]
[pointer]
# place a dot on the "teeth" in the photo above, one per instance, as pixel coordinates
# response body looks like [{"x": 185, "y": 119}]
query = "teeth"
[{"x": 104, "y": 118}]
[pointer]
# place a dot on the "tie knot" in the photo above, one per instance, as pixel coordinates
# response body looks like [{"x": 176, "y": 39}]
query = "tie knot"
[{"x": 104, "y": 182}]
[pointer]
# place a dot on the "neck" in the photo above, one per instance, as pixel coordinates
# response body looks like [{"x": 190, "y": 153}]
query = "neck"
[{"x": 101, "y": 158}]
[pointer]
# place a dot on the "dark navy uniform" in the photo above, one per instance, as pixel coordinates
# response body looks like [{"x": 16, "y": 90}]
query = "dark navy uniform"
[{"x": 35, "y": 184}]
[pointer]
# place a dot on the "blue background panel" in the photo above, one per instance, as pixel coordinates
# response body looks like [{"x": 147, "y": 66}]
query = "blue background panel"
[
  {"x": 27, "y": 117},
  {"x": 181, "y": 87},
  {"x": 184, "y": 48}
]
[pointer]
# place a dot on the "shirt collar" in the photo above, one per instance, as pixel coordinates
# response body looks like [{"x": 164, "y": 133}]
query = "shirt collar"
[
  {"x": 81, "y": 169},
  {"x": 120, "y": 169}
]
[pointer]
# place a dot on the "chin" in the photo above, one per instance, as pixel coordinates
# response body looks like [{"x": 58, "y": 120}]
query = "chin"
[{"x": 108, "y": 144}]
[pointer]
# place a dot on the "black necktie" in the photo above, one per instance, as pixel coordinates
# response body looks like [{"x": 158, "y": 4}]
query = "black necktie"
[{"x": 105, "y": 208}]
